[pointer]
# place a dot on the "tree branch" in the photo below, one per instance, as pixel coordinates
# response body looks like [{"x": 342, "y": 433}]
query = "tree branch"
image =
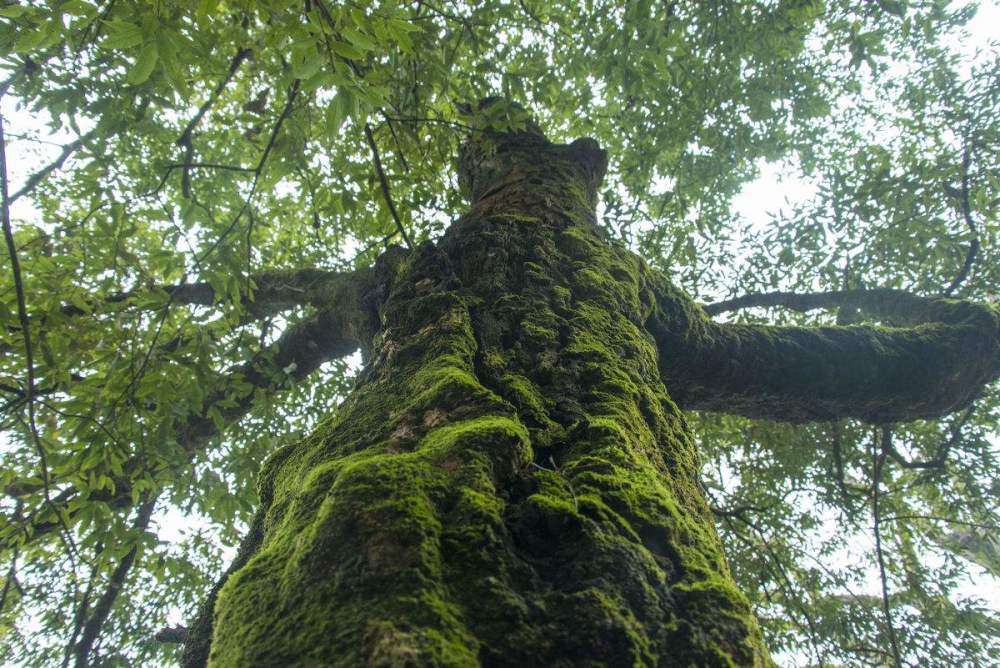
[
  {"x": 43, "y": 173},
  {"x": 241, "y": 55},
  {"x": 940, "y": 456},
  {"x": 92, "y": 629},
  {"x": 875, "y": 302},
  {"x": 276, "y": 291},
  {"x": 384, "y": 182},
  {"x": 934, "y": 358},
  {"x": 876, "y": 484},
  {"x": 970, "y": 256},
  {"x": 22, "y": 314}
]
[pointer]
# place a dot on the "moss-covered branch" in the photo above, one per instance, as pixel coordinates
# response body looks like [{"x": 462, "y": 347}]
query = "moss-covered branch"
[
  {"x": 933, "y": 357},
  {"x": 275, "y": 291}
]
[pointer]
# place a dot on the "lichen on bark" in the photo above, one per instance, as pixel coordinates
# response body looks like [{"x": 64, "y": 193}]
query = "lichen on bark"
[{"x": 509, "y": 483}]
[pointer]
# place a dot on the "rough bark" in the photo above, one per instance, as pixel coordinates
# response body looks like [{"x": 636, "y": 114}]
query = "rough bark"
[{"x": 509, "y": 484}]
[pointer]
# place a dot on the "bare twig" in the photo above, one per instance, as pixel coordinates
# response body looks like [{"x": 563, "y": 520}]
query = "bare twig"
[
  {"x": 40, "y": 175},
  {"x": 92, "y": 629},
  {"x": 384, "y": 182},
  {"x": 970, "y": 256},
  {"x": 879, "y": 461}
]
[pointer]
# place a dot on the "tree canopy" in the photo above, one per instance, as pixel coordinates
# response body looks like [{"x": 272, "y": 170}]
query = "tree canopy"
[{"x": 217, "y": 165}]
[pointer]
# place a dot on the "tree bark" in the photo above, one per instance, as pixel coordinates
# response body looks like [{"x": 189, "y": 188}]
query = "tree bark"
[
  {"x": 509, "y": 484},
  {"x": 934, "y": 357}
]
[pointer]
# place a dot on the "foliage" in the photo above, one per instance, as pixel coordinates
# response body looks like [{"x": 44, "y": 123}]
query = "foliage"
[{"x": 213, "y": 145}]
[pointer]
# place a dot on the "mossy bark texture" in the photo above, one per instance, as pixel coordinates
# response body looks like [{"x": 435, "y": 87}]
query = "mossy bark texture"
[{"x": 510, "y": 483}]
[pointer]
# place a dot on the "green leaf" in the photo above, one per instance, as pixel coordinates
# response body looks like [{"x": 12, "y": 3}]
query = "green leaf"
[
  {"x": 346, "y": 50},
  {"x": 13, "y": 11},
  {"x": 77, "y": 8},
  {"x": 144, "y": 64},
  {"x": 173, "y": 67},
  {"x": 358, "y": 39},
  {"x": 32, "y": 38},
  {"x": 121, "y": 35}
]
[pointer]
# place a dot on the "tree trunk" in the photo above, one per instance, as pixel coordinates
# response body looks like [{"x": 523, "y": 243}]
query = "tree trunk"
[{"x": 509, "y": 484}]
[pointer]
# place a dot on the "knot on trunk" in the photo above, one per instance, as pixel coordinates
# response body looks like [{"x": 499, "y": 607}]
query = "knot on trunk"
[{"x": 507, "y": 148}]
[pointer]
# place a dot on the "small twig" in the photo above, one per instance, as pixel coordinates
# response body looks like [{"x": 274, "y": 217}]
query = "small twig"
[
  {"x": 395, "y": 140},
  {"x": 41, "y": 174},
  {"x": 209, "y": 165},
  {"x": 440, "y": 121},
  {"x": 879, "y": 461},
  {"x": 384, "y": 182},
  {"x": 788, "y": 587},
  {"x": 533, "y": 16},
  {"x": 739, "y": 511},
  {"x": 12, "y": 571},
  {"x": 382, "y": 241},
  {"x": 80, "y": 615},
  {"x": 940, "y": 456},
  {"x": 977, "y": 525},
  {"x": 258, "y": 170},
  {"x": 838, "y": 462},
  {"x": 234, "y": 65},
  {"x": 185, "y": 139},
  {"x": 970, "y": 256}
]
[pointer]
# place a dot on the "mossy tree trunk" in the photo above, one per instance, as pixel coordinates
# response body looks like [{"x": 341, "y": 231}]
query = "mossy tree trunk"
[{"x": 510, "y": 483}]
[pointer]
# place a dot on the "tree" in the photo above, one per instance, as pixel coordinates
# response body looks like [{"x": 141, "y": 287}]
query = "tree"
[{"x": 510, "y": 478}]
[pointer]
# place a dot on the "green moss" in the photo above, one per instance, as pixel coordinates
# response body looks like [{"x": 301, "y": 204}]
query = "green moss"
[{"x": 509, "y": 483}]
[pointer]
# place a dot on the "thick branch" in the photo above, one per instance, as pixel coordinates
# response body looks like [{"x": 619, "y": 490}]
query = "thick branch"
[
  {"x": 934, "y": 359},
  {"x": 276, "y": 291},
  {"x": 878, "y": 303}
]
